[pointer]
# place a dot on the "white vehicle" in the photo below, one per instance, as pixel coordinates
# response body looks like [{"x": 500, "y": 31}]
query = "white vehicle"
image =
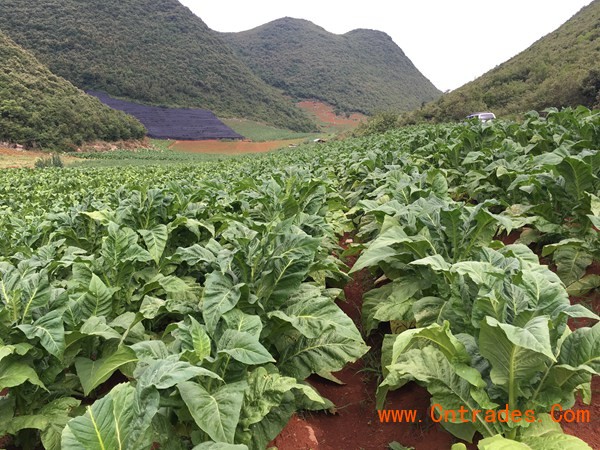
[{"x": 483, "y": 116}]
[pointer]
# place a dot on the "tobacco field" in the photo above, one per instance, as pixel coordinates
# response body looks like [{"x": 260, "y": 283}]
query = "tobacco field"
[{"x": 184, "y": 305}]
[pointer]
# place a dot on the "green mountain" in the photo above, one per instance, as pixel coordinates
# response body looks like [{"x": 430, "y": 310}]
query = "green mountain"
[
  {"x": 561, "y": 69},
  {"x": 363, "y": 70},
  {"x": 152, "y": 51},
  {"x": 39, "y": 109}
]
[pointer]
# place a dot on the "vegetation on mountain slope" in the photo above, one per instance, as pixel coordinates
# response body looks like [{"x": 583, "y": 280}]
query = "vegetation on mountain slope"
[
  {"x": 156, "y": 52},
  {"x": 363, "y": 70},
  {"x": 561, "y": 69},
  {"x": 39, "y": 109}
]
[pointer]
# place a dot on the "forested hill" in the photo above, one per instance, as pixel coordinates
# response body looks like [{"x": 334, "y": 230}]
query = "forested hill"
[
  {"x": 363, "y": 70},
  {"x": 153, "y": 51},
  {"x": 560, "y": 69},
  {"x": 40, "y": 109}
]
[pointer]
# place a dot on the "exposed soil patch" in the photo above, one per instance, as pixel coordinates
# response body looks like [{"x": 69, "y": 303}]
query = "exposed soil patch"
[
  {"x": 231, "y": 147},
  {"x": 326, "y": 116},
  {"x": 13, "y": 158}
]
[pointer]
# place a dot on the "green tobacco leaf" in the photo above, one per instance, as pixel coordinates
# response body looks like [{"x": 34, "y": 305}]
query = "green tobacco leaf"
[
  {"x": 107, "y": 424},
  {"x": 429, "y": 367},
  {"x": 36, "y": 292},
  {"x": 516, "y": 354},
  {"x": 243, "y": 347},
  {"x": 584, "y": 285},
  {"x": 219, "y": 446},
  {"x": 311, "y": 314},
  {"x": 195, "y": 254},
  {"x": 98, "y": 300},
  {"x": 152, "y": 307},
  {"x": 166, "y": 373},
  {"x": 93, "y": 373},
  {"x": 200, "y": 340},
  {"x": 50, "y": 330},
  {"x": 216, "y": 414},
  {"x": 14, "y": 373},
  {"x": 330, "y": 352},
  {"x": 381, "y": 248},
  {"x": 266, "y": 389},
  {"x": 120, "y": 246},
  {"x": 499, "y": 442},
  {"x": 51, "y": 420},
  {"x": 453, "y": 349},
  {"x": 578, "y": 176},
  {"x": 150, "y": 350},
  {"x": 571, "y": 262},
  {"x": 582, "y": 348},
  {"x": 240, "y": 321},
  {"x": 96, "y": 326},
  {"x": 578, "y": 361},
  {"x": 285, "y": 269},
  {"x": 545, "y": 434},
  {"x": 156, "y": 241},
  {"x": 220, "y": 295}
]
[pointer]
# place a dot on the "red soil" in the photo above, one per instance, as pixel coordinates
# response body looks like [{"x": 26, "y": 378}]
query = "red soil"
[
  {"x": 324, "y": 113},
  {"x": 230, "y": 147}
]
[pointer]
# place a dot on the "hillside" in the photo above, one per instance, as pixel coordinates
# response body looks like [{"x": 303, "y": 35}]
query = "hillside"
[
  {"x": 561, "y": 69},
  {"x": 39, "y": 109},
  {"x": 360, "y": 71},
  {"x": 153, "y": 51}
]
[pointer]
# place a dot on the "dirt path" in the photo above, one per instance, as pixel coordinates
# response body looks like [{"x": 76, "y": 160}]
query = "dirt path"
[{"x": 355, "y": 424}]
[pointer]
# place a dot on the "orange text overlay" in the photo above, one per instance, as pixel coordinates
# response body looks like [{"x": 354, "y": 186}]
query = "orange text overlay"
[{"x": 437, "y": 413}]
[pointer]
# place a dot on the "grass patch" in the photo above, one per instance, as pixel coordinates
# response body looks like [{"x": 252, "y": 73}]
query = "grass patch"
[{"x": 259, "y": 132}]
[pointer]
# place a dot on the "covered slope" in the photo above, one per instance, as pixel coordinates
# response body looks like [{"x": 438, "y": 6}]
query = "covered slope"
[
  {"x": 153, "y": 51},
  {"x": 362, "y": 71},
  {"x": 173, "y": 123},
  {"x": 561, "y": 69},
  {"x": 40, "y": 109}
]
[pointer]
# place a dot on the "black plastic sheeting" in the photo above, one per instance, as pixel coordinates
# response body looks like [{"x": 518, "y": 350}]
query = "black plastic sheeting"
[{"x": 172, "y": 123}]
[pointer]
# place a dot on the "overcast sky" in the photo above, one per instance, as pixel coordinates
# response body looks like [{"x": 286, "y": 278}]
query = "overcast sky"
[{"x": 450, "y": 41}]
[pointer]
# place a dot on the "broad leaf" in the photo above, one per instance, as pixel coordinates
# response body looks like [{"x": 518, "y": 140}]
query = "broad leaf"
[
  {"x": 244, "y": 347},
  {"x": 516, "y": 354},
  {"x": 220, "y": 295},
  {"x": 156, "y": 241},
  {"x": 93, "y": 373},
  {"x": 50, "y": 330},
  {"x": 218, "y": 413},
  {"x": 330, "y": 352},
  {"x": 100, "y": 428}
]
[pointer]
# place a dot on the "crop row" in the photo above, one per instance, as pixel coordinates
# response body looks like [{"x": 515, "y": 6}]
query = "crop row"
[{"x": 185, "y": 305}]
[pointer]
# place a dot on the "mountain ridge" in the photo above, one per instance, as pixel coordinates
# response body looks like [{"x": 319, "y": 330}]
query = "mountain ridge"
[
  {"x": 362, "y": 70},
  {"x": 154, "y": 52}
]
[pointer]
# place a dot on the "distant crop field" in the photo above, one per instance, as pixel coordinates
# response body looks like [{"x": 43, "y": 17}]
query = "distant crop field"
[{"x": 216, "y": 147}]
